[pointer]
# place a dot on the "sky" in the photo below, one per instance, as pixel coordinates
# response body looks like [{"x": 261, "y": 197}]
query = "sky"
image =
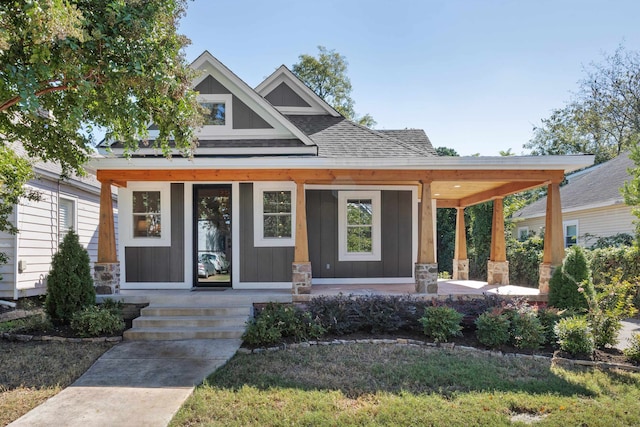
[{"x": 476, "y": 75}]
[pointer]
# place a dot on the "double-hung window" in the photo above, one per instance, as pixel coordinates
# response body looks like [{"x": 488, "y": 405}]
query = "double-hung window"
[
  {"x": 274, "y": 213},
  {"x": 66, "y": 217},
  {"x": 570, "y": 233},
  {"x": 145, "y": 214},
  {"x": 359, "y": 226}
]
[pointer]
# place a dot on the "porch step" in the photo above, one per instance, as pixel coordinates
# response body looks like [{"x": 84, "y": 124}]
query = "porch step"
[{"x": 171, "y": 322}]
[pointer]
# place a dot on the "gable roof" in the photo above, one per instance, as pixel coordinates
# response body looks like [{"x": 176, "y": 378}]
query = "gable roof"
[
  {"x": 311, "y": 103},
  {"x": 416, "y": 138},
  {"x": 597, "y": 186}
]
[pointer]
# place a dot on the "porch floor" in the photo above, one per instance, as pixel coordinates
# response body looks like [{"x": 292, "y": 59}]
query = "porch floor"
[{"x": 247, "y": 296}]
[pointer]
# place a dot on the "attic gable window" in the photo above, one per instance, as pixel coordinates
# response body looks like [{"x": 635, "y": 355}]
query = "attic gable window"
[{"x": 217, "y": 112}]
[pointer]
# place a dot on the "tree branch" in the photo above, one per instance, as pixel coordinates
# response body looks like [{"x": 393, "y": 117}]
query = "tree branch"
[{"x": 13, "y": 101}]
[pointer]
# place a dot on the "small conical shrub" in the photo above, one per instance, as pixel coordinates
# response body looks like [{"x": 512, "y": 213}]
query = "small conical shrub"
[
  {"x": 566, "y": 287},
  {"x": 69, "y": 285}
]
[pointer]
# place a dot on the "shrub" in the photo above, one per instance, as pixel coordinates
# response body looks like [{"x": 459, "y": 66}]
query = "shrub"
[
  {"x": 566, "y": 281},
  {"x": 277, "y": 321},
  {"x": 493, "y": 328},
  {"x": 69, "y": 285},
  {"x": 335, "y": 313},
  {"x": 549, "y": 316},
  {"x": 633, "y": 351},
  {"x": 524, "y": 260},
  {"x": 622, "y": 261},
  {"x": 441, "y": 323},
  {"x": 617, "y": 241},
  {"x": 94, "y": 321},
  {"x": 574, "y": 335},
  {"x": 526, "y": 330}
]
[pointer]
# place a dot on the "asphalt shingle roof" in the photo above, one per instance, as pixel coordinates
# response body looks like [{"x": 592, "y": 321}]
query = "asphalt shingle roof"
[
  {"x": 416, "y": 138},
  {"x": 339, "y": 137},
  {"x": 598, "y": 185}
]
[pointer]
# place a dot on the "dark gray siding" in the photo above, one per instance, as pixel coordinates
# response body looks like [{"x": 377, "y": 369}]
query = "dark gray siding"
[
  {"x": 243, "y": 116},
  {"x": 161, "y": 264},
  {"x": 259, "y": 264},
  {"x": 322, "y": 221},
  {"x": 284, "y": 96}
]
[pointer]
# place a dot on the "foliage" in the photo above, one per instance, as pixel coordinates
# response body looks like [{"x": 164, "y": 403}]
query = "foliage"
[
  {"x": 526, "y": 330},
  {"x": 441, "y": 323},
  {"x": 277, "y": 321},
  {"x": 69, "y": 285},
  {"x": 631, "y": 189},
  {"x": 446, "y": 238},
  {"x": 619, "y": 240},
  {"x": 93, "y": 321},
  {"x": 566, "y": 281},
  {"x": 574, "y": 335},
  {"x": 69, "y": 68},
  {"x": 524, "y": 260},
  {"x": 621, "y": 261},
  {"x": 446, "y": 151},
  {"x": 326, "y": 75},
  {"x": 37, "y": 322},
  {"x": 633, "y": 351},
  {"x": 493, "y": 328},
  {"x": 603, "y": 118},
  {"x": 548, "y": 317},
  {"x": 612, "y": 303},
  {"x": 480, "y": 223}
]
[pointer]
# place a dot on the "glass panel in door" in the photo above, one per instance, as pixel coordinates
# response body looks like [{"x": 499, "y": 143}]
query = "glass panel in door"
[{"x": 212, "y": 235}]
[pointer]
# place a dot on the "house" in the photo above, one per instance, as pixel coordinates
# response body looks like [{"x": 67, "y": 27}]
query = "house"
[
  {"x": 71, "y": 203},
  {"x": 291, "y": 194},
  {"x": 592, "y": 205}
]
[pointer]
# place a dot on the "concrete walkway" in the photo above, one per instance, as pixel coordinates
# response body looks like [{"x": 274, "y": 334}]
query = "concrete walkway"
[{"x": 136, "y": 383}]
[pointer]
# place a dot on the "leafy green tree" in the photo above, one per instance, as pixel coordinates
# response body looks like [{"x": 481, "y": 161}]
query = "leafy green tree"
[
  {"x": 69, "y": 68},
  {"x": 446, "y": 151},
  {"x": 326, "y": 75},
  {"x": 69, "y": 285},
  {"x": 479, "y": 223},
  {"x": 603, "y": 118}
]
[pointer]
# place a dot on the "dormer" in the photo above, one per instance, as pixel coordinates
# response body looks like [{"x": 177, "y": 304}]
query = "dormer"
[{"x": 285, "y": 91}]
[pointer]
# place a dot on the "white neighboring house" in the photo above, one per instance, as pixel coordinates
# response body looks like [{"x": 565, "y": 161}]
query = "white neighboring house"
[
  {"x": 69, "y": 203},
  {"x": 592, "y": 205}
]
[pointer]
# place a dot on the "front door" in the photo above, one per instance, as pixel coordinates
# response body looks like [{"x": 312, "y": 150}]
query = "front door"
[{"x": 212, "y": 235}]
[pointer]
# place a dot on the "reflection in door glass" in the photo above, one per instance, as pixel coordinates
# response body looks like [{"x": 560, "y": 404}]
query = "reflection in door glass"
[{"x": 213, "y": 235}]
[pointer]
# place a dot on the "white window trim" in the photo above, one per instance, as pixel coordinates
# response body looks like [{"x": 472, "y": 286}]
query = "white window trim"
[
  {"x": 258, "y": 211},
  {"x": 74, "y": 201},
  {"x": 566, "y": 224},
  {"x": 227, "y": 99},
  {"x": 125, "y": 217},
  {"x": 521, "y": 230},
  {"x": 376, "y": 234}
]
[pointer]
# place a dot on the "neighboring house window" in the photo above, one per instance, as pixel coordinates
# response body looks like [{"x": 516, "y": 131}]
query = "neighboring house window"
[
  {"x": 274, "y": 213},
  {"x": 359, "y": 226},
  {"x": 217, "y": 114},
  {"x": 523, "y": 233},
  {"x": 149, "y": 209},
  {"x": 570, "y": 233},
  {"x": 66, "y": 217}
]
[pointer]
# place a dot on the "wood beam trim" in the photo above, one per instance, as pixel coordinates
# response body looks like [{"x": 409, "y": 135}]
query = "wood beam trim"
[
  {"x": 448, "y": 203},
  {"x": 501, "y": 191}
]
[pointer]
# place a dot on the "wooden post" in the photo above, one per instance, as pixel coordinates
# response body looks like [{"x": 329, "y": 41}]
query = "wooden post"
[
  {"x": 553, "y": 237},
  {"x": 106, "y": 230},
  {"x": 426, "y": 252},
  {"x": 460, "y": 251},
  {"x": 498, "y": 245},
  {"x": 302, "y": 245}
]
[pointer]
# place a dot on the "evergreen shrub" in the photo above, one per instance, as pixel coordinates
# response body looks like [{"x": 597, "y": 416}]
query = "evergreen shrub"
[{"x": 567, "y": 281}]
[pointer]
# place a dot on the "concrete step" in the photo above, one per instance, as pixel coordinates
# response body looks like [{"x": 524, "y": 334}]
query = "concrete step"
[
  {"x": 176, "y": 333},
  {"x": 189, "y": 321},
  {"x": 171, "y": 310}
]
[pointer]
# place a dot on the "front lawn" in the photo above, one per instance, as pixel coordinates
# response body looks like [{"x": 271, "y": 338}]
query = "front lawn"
[{"x": 373, "y": 384}]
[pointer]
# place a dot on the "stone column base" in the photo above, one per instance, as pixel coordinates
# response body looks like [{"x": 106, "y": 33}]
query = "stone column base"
[
  {"x": 426, "y": 278},
  {"x": 460, "y": 269},
  {"x": 546, "y": 271},
  {"x": 301, "y": 278},
  {"x": 106, "y": 278},
  {"x": 498, "y": 272}
]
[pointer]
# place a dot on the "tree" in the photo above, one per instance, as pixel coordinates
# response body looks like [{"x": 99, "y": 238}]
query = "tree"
[
  {"x": 603, "y": 118},
  {"x": 326, "y": 75},
  {"x": 71, "y": 67},
  {"x": 446, "y": 151}
]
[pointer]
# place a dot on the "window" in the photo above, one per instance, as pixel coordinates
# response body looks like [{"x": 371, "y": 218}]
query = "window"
[
  {"x": 570, "y": 233},
  {"x": 66, "y": 217},
  {"x": 523, "y": 233},
  {"x": 274, "y": 213},
  {"x": 217, "y": 114},
  {"x": 147, "y": 214},
  {"x": 359, "y": 230}
]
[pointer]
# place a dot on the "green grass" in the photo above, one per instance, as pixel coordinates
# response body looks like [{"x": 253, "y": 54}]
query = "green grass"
[{"x": 368, "y": 384}]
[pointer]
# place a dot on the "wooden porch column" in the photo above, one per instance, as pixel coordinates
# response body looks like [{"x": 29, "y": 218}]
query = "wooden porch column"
[
  {"x": 498, "y": 266},
  {"x": 426, "y": 269},
  {"x": 106, "y": 271},
  {"x": 301, "y": 277},
  {"x": 460, "y": 259},
  {"x": 553, "y": 237}
]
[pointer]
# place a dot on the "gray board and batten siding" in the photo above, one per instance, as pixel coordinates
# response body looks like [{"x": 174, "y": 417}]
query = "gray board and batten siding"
[
  {"x": 243, "y": 116},
  {"x": 284, "y": 96},
  {"x": 161, "y": 264},
  {"x": 322, "y": 226}
]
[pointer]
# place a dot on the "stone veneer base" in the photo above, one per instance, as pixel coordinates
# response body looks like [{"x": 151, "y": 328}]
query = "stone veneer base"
[
  {"x": 460, "y": 269},
  {"x": 498, "y": 272},
  {"x": 426, "y": 278},
  {"x": 301, "y": 278},
  {"x": 106, "y": 278}
]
